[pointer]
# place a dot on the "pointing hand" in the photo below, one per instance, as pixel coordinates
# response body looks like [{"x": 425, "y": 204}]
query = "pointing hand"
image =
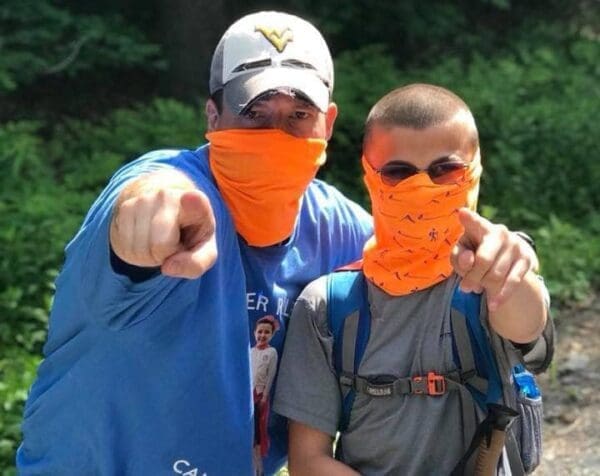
[
  {"x": 489, "y": 257},
  {"x": 167, "y": 227}
]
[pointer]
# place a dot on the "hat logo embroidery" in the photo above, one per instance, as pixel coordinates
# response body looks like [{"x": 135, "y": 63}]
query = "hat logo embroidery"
[{"x": 278, "y": 38}]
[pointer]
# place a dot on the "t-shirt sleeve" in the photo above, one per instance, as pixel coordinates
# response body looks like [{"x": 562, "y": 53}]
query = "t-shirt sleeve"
[
  {"x": 537, "y": 355},
  {"x": 89, "y": 282},
  {"x": 307, "y": 387}
]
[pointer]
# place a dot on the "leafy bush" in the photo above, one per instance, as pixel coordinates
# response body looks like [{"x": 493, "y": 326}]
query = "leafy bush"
[
  {"x": 39, "y": 39},
  {"x": 20, "y": 154},
  {"x": 421, "y": 33},
  {"x": 17, "y": 371},
  {"x": 570, "y": 258},
  {"x": 538, "y": 130},
  {"x": 86, "y": 153}
]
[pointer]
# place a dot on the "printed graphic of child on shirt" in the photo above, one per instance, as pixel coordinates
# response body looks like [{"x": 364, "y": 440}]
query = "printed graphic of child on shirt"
[{"x": 264, "y": 367}]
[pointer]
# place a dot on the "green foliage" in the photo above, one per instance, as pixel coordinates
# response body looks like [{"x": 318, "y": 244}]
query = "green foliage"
[
  {"x": 32, "y": 215},
  {"x": 362, "y": 77},
  {"x": 20, "y": 154},
  {"x": 538, "y": 129},
  {"x": 39, "y": 39},
  {"x": 36, "y": 216},
  {"x": 423, "y": 33},
  {"x": 570, "y": 258},
  {"x": 86, "y": 153},
  {"x": 17, "y": 371}
]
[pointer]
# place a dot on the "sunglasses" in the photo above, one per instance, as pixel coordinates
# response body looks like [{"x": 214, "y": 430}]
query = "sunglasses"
[{"x": 440, "y": 173}]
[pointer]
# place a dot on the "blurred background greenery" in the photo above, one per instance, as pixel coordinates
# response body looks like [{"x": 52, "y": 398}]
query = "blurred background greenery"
[{"x": 87, "y": 85}]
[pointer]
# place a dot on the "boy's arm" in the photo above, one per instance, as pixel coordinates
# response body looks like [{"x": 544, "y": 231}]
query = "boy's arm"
[
  {"x": 522, "y": 317},
  {"x": 310, "y": 453},
  {"x": 307, "y": 389},
  {"x": 498, "y": 262}
]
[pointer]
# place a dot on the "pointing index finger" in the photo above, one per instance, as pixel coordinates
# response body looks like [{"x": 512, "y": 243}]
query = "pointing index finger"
[
  {"x": 194, "y": 209},
  {"x": 475, "y": 226}
]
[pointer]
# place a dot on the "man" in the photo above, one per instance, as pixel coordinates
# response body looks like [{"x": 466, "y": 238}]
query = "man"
[{"x": 147, "y": 360}]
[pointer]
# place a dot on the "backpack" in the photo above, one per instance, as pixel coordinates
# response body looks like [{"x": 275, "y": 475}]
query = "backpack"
[{"x": 490, "y": 368}]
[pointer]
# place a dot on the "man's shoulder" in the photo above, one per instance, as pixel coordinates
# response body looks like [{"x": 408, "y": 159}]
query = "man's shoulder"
[
  {"x": 326, "y": 199},
  {"x": 185, "y": 159},
  {"x": 154, "y": 161},
  {"x": 159, "y": 155},
  {"x": 320, "y": 190}
]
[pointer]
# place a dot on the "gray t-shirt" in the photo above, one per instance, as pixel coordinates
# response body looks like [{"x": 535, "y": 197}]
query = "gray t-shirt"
[{"x": 410, "y": 335}]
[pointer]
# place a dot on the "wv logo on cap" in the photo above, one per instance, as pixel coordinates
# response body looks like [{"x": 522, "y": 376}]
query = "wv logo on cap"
[{"x": 278, "y": 38}]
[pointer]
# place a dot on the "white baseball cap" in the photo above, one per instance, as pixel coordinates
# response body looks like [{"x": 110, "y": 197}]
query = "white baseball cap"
[{"x": 271, "y": 51}]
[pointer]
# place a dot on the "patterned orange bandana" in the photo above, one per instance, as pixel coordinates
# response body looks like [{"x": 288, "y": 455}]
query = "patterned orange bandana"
[
  {"x": 262, "y": 175},
  {"x": 416, "y": 227}
]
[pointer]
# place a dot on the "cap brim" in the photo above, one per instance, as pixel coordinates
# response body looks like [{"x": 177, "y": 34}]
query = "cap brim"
[{"x": 240, "y": 91}]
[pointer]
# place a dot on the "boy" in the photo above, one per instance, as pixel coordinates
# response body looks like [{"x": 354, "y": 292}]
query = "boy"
[{"x": 422, "y": 168}]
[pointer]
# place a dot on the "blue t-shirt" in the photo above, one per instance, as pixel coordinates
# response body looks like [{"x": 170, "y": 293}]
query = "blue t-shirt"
[
  {"x": 148, "y": 378},
  {"x": 330, "y": 232}
]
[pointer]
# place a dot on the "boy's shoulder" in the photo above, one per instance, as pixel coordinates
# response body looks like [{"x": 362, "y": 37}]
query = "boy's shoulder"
[{"x": 313, "y": 299}]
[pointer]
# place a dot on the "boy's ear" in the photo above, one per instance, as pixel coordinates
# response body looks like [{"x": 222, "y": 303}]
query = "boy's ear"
[{"x": 212, "y": 115}]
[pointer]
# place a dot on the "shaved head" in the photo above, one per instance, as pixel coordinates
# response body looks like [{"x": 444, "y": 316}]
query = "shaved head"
[{"x": 419, "y": 106}]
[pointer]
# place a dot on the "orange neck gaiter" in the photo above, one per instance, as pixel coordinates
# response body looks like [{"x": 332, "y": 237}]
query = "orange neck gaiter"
[
  {"x": 416, "y": 227},
  {"x": 262, "y": 175}
]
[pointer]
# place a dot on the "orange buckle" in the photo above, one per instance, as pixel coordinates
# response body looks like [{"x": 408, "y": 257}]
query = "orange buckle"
[{"x": 436, "y": 384}]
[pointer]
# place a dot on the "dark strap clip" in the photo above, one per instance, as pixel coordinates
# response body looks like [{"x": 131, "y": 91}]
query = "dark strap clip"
[
  {"x": 432, "y": 384},
  {"x": 468, "y": 375},
  {"x": 347, "y": 380}
]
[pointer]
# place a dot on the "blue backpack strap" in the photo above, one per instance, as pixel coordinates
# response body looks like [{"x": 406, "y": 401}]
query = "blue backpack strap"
[
  {"x": 472, "y": 350},
  {"x": 349, "y": 321},
  {"x": 474, "y": 356}
]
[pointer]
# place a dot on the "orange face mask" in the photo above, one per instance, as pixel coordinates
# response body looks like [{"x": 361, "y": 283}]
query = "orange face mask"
[
  {"x": 262, "y": 175},
  {"x": 416, "y": 227}
]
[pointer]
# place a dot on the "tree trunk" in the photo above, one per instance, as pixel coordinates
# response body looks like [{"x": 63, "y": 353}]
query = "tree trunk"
[{"x": 190, "y": 30}]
